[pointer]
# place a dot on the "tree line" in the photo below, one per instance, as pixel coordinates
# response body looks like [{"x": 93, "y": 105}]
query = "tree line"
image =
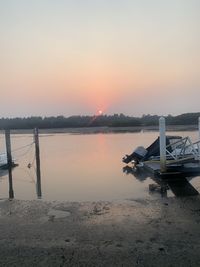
[{"x": 116, "y": 120}]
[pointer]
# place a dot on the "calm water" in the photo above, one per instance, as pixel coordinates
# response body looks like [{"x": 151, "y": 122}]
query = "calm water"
[{"x": 84, "y": 167}]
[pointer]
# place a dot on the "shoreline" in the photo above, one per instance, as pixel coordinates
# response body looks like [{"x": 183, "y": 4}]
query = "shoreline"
[
  {"x": 105, "y": 130},
  {"x": 139, "y": 232}
]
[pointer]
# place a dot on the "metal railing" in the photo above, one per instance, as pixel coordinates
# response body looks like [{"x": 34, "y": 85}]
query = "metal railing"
[{"x": 183, "y": 149}]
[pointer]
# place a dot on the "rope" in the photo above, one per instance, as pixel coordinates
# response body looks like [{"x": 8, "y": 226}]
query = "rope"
[
  {"x": 26, "y": 152},
  {"x": 22, "y": 147},
  {"x": 30, "y": 175},
  {"x": 31, "y": 162}
]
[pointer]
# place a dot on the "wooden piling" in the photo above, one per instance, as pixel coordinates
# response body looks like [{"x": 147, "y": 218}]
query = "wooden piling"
[
  {"x": 37, "y": 156},
  {"x": 9, "y": 163},
  {"x": 198, "y": 144},
  {"x": 199, "y": 127},
  {"x": 162, "y": 144}
]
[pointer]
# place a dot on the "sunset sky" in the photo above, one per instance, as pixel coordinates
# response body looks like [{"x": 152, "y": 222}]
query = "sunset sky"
[{"x": 75, "y": 57}]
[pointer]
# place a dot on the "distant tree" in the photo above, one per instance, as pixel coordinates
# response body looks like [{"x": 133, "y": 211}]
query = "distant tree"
[{"x": 116, "y": 120}]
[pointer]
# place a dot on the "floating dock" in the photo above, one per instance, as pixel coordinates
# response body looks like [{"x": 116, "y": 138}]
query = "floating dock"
[
  {"x": 173, "y": 160},
  {"x": 185, "y": 157},
  {"x": 173, "y": 171},
  {"x": 175, "y": 176}
]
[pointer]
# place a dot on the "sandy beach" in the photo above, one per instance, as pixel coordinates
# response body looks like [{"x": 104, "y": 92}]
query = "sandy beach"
[{"x": 135, "y": 232}]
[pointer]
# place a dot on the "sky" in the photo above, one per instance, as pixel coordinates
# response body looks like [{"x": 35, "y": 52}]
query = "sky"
[{"x": 73, "y": 57}]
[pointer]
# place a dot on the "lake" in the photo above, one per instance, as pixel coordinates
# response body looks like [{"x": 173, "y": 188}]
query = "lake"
[{"x": 81, "y": 167}]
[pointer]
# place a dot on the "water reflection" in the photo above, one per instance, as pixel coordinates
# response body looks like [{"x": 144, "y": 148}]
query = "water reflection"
[
  {"x": 11, "y": 191},
  {"x": 178, "y": 184},
  {"x": 78, "y": 168},
  {"x": 38, "y": 186},
  {"x": 8, "y": 173},
  {"x": 3, "y": 173}
]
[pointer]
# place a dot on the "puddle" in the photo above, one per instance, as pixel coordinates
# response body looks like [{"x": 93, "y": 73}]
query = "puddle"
[{"x": 58, "y": 214}]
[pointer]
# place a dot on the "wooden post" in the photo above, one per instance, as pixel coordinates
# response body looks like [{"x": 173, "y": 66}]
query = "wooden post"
[
  {"x": 9, "y": 163},
  {"x": 162, "y": 144},
  {"x": 37, "y": 156},
  {"x": 199, "y": 137},
  {"x": 199, "y": 127}
]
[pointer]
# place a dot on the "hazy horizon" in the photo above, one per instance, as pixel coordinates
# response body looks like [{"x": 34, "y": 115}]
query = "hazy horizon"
[
  {"x": 78, "y": 57},
  {"x": 94, "y": 115}
]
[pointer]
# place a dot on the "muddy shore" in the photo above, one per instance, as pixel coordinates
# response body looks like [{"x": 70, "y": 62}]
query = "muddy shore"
[{"x": 130, "y": 233}]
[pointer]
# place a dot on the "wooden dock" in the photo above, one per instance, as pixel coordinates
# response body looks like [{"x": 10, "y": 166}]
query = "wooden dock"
[
  {"x": 176, "y": 176},
  {"x": 185, "y": 170}
]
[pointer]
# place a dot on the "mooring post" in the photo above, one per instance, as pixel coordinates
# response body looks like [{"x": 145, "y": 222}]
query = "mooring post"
[
  {"x": 199, "y": 127},
  {"x": 199, "y": 137},
  {"x": 9, "y": 163},
  {"x": 162, "y": 144},
  {"x": 37, "y": 156}
]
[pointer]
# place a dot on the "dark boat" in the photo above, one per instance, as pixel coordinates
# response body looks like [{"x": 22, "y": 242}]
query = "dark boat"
[{"x": 141, "y": 154}]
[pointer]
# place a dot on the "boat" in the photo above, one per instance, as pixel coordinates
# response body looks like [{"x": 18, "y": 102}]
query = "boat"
[
  {"x": 4, "y": 162},
  {"x": 182, "y": 157},
  {"x": 178, "y": 150},
  {"x": 182, "y": 164},
  {"x": 170, "y": 161},
  {"x": 141, "y": 154}
]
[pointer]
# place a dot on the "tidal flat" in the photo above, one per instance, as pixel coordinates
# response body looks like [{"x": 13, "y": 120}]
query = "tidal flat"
[{"x": 135, "y": 232}]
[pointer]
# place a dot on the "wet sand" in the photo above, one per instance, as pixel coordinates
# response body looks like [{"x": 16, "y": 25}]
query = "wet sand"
[{"x": 130, "y": 233}]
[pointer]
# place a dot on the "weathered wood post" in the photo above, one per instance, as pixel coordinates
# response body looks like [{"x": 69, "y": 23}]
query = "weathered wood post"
[
  {"x": 199, "y": 137},
  {"x": 199, "y": 127},
  {"x": 37, "y": 156},
  {"x": 9, "y": 163},
  {"x": 162, "y": 144}
]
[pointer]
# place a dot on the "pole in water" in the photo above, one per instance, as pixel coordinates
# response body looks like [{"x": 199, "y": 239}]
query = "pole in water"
[
  {"x": 9, "y": 163},
  {"x": 162, "y": 144},
  {"x": 37, "y": 156},
  {"x": 199, "y": 136},
  {"x": 199, "y": 127}
]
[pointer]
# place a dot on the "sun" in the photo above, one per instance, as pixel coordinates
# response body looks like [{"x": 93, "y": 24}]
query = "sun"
[{"x": 100, "y": 112}]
